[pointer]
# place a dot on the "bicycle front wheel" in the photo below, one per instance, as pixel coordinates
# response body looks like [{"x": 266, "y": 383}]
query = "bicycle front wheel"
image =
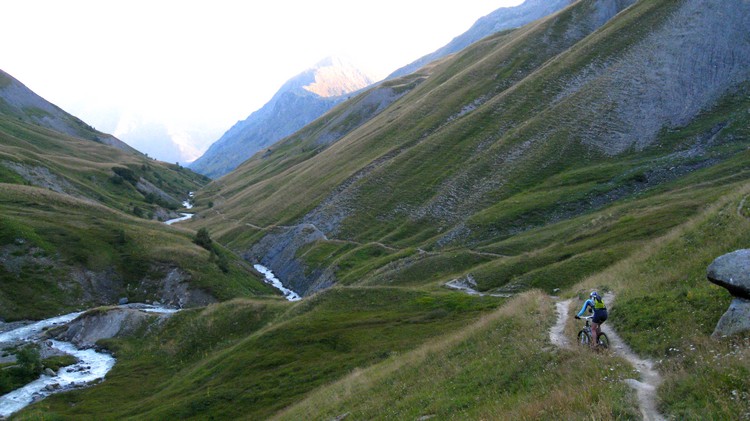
[
  {"x": 584, "y": 338},
  {"x": 603, "y": 341}
]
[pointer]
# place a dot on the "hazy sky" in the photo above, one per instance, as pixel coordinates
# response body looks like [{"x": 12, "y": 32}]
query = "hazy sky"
[{"x": 199, "y": 66}]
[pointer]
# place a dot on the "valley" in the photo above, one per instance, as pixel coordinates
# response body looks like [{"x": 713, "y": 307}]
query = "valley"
[{"x": 416, "y": 250}]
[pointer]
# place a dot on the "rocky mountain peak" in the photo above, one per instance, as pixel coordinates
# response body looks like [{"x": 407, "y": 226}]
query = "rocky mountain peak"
[
  {"x": 335, "y": 76},
  {"x": 301, "y": 100}
]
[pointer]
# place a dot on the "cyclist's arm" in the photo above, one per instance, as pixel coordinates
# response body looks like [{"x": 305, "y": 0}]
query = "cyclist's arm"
[{"x": 583, "y": 309}]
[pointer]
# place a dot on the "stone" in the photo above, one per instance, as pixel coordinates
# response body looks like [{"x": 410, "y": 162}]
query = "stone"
[
  {"x": 50, "y": 372},
  {"x": 123, "y": 301},
  {"x": 732, "y": 271},
  {"x": 735, "y": 320}
]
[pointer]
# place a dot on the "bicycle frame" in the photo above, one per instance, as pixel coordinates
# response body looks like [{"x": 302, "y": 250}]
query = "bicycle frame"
[{"x": 602, "y": 340}]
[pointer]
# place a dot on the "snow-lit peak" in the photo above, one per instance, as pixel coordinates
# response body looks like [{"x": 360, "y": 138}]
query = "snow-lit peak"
[{"x": 335, "y": 76}]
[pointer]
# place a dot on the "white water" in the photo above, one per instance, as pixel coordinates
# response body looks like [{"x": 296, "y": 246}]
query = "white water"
[
  {"x": 276, "y": 283},
  {"x": 185, "y": 216},
  {"x": 33, "y": 330},
  {"x": 186, "y": 204},
  {"x": 91, "y": 365}
]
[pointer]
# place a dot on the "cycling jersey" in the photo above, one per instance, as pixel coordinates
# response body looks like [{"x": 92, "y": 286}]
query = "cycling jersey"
[{"x": 594, "y": 304}]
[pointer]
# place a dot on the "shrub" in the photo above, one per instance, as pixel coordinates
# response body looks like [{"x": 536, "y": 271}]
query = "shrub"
[
  {"x": 29, "y": 359},
  {"x": 126, "y": 174},
  {"x": 203, "y": 239}
]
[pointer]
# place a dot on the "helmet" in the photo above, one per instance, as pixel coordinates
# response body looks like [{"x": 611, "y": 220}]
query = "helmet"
[{"x": 594, "y": 294}]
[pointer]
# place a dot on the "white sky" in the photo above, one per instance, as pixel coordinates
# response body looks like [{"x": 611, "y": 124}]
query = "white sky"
[{"x": 203, "y": 65}]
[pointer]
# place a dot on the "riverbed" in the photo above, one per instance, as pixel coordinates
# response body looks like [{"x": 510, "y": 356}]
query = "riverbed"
[
  {"x": 92, "y": 365},
  {"x": 185, "y": 216},
  {"x": 272, "y": 280}
]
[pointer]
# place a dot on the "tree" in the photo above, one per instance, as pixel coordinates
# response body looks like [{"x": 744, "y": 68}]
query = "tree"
[
  {"x": 203, "y": 239},
  {"x": 29, "y": 359}
]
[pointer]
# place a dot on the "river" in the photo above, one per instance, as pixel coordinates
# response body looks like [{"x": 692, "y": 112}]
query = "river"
[
  {"x": 276, "y": 283},
  {"x": 91, "y": 366},
  {"x": 185, "y": 216}
]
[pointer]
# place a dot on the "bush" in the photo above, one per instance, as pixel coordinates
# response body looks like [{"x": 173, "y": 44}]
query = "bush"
[
  {"x": 29, "y": 360},
  {"x": 203, "y": 239},
  {"x": 126, "y": 174}
]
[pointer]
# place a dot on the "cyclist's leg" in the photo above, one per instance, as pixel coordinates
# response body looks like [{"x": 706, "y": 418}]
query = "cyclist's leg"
[{"x": 594, "y": 333}]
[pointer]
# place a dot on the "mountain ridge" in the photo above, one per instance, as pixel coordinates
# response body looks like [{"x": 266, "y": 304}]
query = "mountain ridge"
[
  {"x": 300, "y": 100},
  {"x": 19, "y": 101},
  {"x": 472, "y": 182},
  {"x": 499, "y": 20}
]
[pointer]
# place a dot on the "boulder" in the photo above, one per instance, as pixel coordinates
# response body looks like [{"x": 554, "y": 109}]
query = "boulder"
[
  {"x": 735, "y": 320},
  {"x": 732, "y": 271},
  {"x": 94, "y": 325}
]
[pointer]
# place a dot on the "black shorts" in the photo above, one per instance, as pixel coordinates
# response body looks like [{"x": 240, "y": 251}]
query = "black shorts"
[{"x": 600, "y": 316}]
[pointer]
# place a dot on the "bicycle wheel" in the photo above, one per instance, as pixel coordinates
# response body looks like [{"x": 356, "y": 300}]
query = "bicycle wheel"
[
  {"x": 584, "y": 338},
  {"x": 603, "y": 341}
]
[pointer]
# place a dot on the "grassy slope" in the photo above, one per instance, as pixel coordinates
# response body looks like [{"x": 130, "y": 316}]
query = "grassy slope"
[
  {"x": 51, "y": 237},
  {"x": 53, "y": 242},
  {"x": 464, "y": 172},
  {"x": 85, "y": 167},
  {"x": 426, "y": 351},
  {"x": 508, "y": 74},
  {"x": 350, "y": 349},
  {"x": 500, "y": 367},
  {"x": 665, "y": 309},
  {"x": 251, "y": 359}
]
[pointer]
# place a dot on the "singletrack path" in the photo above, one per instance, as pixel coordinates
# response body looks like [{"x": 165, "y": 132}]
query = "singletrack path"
[{"x": 650, "y": 378}]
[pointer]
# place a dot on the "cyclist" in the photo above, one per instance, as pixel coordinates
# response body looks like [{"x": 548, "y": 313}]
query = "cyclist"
[{"x": 596, "y": 305}]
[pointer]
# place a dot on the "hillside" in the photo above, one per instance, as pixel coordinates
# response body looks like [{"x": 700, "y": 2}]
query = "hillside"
[
  {"x": 299, "y": 101},
  {"x": 16, "y": 100},
  {"x": 77, "y": 227},
  {"x": 523, "y": 130},
  {"x": 500, "y": 20},
  {"x": 603, "y": 147}
]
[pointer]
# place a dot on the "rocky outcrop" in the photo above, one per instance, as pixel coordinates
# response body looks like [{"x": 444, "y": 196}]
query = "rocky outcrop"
[
  {"x": 98, "y": 324},
  {"x": 175, "y": 291},
  {"x": 732, "y": 271},
  {"x": 684, "y": 66},
  {"x": 42, "y": 177},
  {"x": 278, "y": 251}
]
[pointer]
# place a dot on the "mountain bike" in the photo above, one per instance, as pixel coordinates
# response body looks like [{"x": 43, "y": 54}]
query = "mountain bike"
[{"x": 585, "y": 334}]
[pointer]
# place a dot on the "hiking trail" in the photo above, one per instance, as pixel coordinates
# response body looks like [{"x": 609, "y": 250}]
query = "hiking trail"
[{"x": 650, "y": 378}]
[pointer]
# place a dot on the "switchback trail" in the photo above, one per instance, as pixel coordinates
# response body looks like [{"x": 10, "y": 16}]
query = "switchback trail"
[{"x": 650, "y": 378}]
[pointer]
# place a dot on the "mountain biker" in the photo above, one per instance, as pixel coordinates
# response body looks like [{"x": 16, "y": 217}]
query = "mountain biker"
[{"x": 596, "y": 305}]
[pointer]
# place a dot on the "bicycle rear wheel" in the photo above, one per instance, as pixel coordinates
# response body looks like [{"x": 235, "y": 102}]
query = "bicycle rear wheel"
[
  {"x": 603, "y": 341},
  {"x": 584, "y": 338}
]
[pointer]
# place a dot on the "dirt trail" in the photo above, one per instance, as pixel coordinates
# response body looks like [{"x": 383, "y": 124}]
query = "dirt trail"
[
  {"x": 740, "y": 206},
  {"x": 650, "y": 378},
  {"x": 556, "y": 333}
]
